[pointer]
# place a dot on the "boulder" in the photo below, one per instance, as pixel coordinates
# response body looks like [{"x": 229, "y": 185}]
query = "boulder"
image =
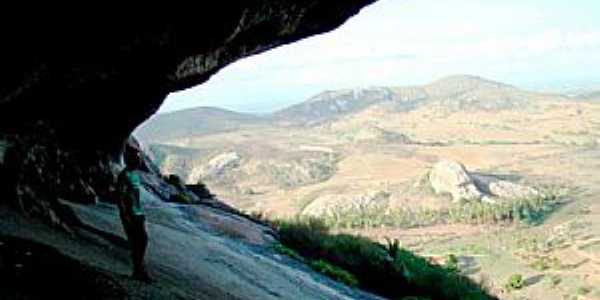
[
  {"x": 221, "y": 162},
  {"x": 451, "y": 177},
  {"x": 509, "y": 190},
  {"x": 215, "y": 167}
]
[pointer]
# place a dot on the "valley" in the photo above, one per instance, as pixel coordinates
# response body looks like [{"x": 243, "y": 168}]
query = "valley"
[{"x": 517, "y": 193}]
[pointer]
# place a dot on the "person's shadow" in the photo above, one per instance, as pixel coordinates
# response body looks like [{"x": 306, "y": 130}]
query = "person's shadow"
[
  {"x": 533, "y": 280},
  {"x": 109, "y": 237},
  {"x": 81, "y": 228}
]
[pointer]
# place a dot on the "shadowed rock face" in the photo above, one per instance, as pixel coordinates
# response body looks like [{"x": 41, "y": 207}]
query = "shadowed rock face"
[{"x": 106, "y": 72}]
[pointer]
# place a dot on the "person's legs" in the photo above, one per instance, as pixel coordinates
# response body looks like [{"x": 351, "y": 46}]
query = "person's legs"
[
  {"x": 130, "y": 232},
  {"x": 139, "y": 245}
]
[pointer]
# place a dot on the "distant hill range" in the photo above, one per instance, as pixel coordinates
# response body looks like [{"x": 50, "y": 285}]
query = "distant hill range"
[
  {"x": 194, "y": 122},
  {"x": 594, "y": 96},
  {"x": 453, "y": 93},
  {"x": 460, "y": 92}
]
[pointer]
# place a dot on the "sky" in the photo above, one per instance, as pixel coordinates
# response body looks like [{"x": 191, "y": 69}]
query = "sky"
[{"x": 527, "y": 43}]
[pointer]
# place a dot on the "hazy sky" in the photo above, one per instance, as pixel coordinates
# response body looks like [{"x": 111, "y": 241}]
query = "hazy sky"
[{"x": 527, "y": 43}]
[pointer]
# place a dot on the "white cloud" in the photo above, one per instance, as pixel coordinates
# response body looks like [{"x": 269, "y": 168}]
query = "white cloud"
[{"x": 414, "y": 41}]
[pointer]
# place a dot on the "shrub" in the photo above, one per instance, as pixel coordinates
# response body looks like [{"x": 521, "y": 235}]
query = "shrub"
[
  {"x": 200, "y": 190},
  {"x": 320, "y": 266},
  {"x": 282, "y": 249},
  {"x": 175, "y": 180},
  {"x": 515, "y": 282},
  {"x": 554, "y": 280},
  {"x": 334, "y": 272},
  {"x": 529, "y": 210},
  {"x": 389, "y": 270},
  {"x": 451, "y": 263},
  {"x": 180, "y": 198},
  {"x": 582, "y": 290},
  {"x": 544, "y": 263},
  {"x": 392, "y": 247}
]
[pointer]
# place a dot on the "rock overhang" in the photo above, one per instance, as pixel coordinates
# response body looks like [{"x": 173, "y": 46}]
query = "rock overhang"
[{"x": 93, "y": 76}]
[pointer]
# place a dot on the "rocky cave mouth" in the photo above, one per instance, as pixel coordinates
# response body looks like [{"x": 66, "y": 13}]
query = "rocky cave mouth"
[{"x": 70, "y": 100}]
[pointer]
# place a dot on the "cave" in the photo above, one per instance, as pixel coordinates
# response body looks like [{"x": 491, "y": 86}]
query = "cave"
[
  {"x": 75, "y": 83},
  {"x": 78, "y": 81}
]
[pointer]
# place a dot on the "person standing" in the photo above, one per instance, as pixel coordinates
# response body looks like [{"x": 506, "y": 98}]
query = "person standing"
[{"x": 132, "y": 212}]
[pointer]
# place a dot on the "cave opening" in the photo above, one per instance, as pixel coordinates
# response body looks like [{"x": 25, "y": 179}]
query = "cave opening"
[{"x": 435, "y": 144}]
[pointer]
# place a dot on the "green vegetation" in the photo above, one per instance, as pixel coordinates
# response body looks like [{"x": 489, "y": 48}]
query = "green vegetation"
[
  {"x": 320, "y": 266},
  {"x": 392, "y": 247},
  {"x": 543, "y": 263},
  {"x": 175, "y": 181},
  {"x": 515, "y": 282},
  {"x": 583, "y": 290},
  {"x": 200, "y": 190},
  {"x": 334, "y": 272},
  {"x": 181, "y": 198},
  {"x": 387, "y": 270},
  {"x": 282, "y": 249},
  {"x": 451, "y": 263},
  {"x": 528, "y": 211}
]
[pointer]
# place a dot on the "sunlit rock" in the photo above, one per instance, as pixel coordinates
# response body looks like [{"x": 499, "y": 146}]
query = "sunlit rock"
[{"x": 451, "y": 177}]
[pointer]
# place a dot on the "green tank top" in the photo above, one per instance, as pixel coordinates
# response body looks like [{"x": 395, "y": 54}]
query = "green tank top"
[{"x": 136, "y": 186}]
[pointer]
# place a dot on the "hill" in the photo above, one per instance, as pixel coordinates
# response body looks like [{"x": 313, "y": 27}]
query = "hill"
[
  {"x": 193, "y": 122},
  {"x": 593, "y": 96},
  {"x": 453, "y": 93},
  {"x": 332, "y": 104}
]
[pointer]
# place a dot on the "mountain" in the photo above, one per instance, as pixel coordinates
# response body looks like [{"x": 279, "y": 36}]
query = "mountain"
[
  {"x": 193, "y": 122},
  {"x": 464, "y": 92},
  {"x": 593, "y": 96},
  {"x": 332, "y": 104},
  {"x": 454, "y": 93},
  {"x": 376, "y": 115}
]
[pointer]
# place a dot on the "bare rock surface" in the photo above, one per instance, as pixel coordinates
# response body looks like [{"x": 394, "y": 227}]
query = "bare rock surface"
[
  {"x": 195, "y": 252},
  {"x": 451, "y": 177}
]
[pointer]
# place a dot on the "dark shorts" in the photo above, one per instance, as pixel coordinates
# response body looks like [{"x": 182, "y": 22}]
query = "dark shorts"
[{"x": 136, "y": 229}]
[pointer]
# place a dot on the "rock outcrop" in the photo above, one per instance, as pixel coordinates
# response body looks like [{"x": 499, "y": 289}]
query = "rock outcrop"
[
  {"x": 373, "y": 134},
  {"x": 338, "y": 205},
  {"x": 504, "y": 189},
  {"x": 195, "y": 252},
  {"x": 221, "y": 162},
  {"x": 451, "y": 177}
]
